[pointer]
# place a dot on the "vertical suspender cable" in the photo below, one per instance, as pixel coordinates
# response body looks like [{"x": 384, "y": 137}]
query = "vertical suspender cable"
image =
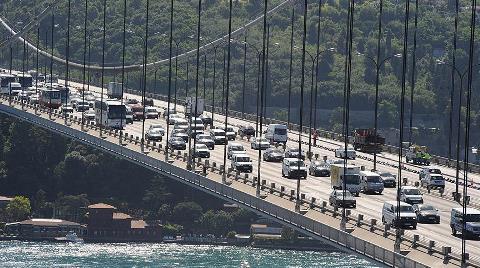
[
  {"x": 452, "y": 90},
  {"x": 67, "y": 58},
  {"x": 317, "y": 63},
  {"x": 414, "y": 68},
  {"x": 103, "y": 64},
  {"x": 292, "y": 25},
  {"x": 244, "y": 73},
  {"x": 377, "y": 77},
  {"x": 36, "y": 65},
  {"x": 223, "y": 80},
  {"x": 224, "y": 177},
  {"x": 51, "y": 66},
  {"x": 169, "y": 76},
  {"x": 176, "y": 78},
  {"x": 214, "y": 83},
  {"x": 144, "y": 88},
  {"x": 123, "y": 61},
  {"x": 199, "y": 27},
  {"x": 84, "y": 58}
]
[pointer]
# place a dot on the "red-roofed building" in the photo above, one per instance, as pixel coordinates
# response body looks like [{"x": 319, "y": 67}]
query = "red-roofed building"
[{"x": 105, "y": 224}]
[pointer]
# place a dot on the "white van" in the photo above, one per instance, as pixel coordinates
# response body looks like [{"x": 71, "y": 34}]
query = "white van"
[
  {"x": 276, "y": 133},
  {"x": 371, "y": 182},
  {"x": 472, "y": 221},
  {"x": 293, "y": 168},
  {"x": 351, "y": 154},
  {"x": 407, "y": 214}
]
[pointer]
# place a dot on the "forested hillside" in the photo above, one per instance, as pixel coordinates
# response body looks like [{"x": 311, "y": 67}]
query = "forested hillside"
[{"x": 434, "y": 42}]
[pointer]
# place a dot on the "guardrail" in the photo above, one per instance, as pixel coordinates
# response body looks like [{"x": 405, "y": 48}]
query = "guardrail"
[{"x": 200, "y": 181}]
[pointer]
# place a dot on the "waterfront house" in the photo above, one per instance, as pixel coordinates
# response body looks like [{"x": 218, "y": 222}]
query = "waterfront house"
[
  {"x": 43, "y": 229},
  {"x": 4, "y": 201},
  {"x": 106, "y": 224}
]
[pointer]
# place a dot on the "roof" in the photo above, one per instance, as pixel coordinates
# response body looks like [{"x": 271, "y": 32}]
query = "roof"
[
  {"x": 368, "y": 173},
  {"x": 4, "y": 198},
  {"x": 409, "y": 187},
  {"x": 121, "y": 216},
  {"x": 101, "y": 206},
  {"x": 138, "y": 224},
  {"x": 45, "y": 222},
  {"x": 469, "y": 210}
]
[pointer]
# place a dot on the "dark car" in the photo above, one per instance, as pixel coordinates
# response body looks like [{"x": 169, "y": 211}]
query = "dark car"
[
  {"x": 177, "y": 143},
  {"x": 426, "y": 213},
  {"x": 273, "y": 155},
  {"x": 137, "y": 111},
  {"x": 337, "y": 199},
  {"x": 207, "y": 120},
  {"x": 205, "y": 139},
  {"x": 148, "y": 102},
  {"x": 246, "y": 131},
  {"x": 319, "y": 169},
  {"x": 294, "y": 153},
  {"x": 389, "y": 179}
]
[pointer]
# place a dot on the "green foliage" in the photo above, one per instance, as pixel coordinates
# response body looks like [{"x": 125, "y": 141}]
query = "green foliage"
[
  {"x": 216, "y": 222},
  {"x": 18, "y": 209},
  {"x": 187, "y": 212},
  {"x": 231, "y": 234},
  {"x": 172, "y": 229},
  {"x": 289, "y": 234}
]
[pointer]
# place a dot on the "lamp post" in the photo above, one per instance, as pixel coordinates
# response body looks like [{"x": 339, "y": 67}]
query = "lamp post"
[{"x": 378, "y": 66}]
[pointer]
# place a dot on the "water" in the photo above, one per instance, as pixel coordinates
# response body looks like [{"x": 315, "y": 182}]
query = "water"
[{"x": 38, "y": 254}]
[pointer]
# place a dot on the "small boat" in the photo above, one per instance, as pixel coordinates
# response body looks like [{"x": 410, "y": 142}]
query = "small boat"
[
  {"x": 244, "y": 264},
  {"x": 70, "y": 237}
]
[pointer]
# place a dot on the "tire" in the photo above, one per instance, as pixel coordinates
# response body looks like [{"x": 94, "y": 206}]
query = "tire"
[
  {"x": 414, "y": 226},
  {"x": 383, "y": 220},
  {"x": 454, "y": 231},
  {"x": 283, "y": 174}
]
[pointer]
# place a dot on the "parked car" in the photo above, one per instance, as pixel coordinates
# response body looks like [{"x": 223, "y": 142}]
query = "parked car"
[
  {"x": 242, "y": 163},
  {"x": 234, "y": 148},
  {"x": 246, "y": 131},
  {"x": 259, "y": 143},
  {"x": 471, "y": 219},
  {"x": 389, "y": 179},
  {"x": 201, "y": 150},
  {"x": 273, "y": 155},
  {"x": 411, "y": 195},
  {"x": 294, "y": 153},
  {"x": 407, "y": 215},
  {"x": 426, "y": 213},
  {"x": 151, "y": 112},
  {"x": 293, "y": 168},
  {"x": 338, "y": 199},
  {"x": 176, "y": 143},
  {"x": 205, "y": 139},
  {"x": 319, "y": 169},
  {"x": 155, "y": 133},
  {"x": 180, "y": 133}
]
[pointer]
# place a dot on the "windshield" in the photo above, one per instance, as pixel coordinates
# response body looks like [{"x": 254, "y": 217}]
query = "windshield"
[
  {"x": 276, "y": 152},
  {"x": 473, "y": 218},
  {"x": 296, "y": 163},
  {"x": 406, "y": 209},
  {"x": 116, "y": 112},
  {"x": 197, "y": 127},
  {"x": 426, "y": 207},
  {"x": 374, "y": 179},
  {"x": 243, "y": 159},
  {"x": 435, "y": 171},
  {"x": 219, "y": 133},
  {"x": 411, "y": 192},
  {"x": 82, "y": 103},
  {"x": 387, "y": 174},
  {"x": 237, "y": 148},
  {"x": 203, "y": 137},
  {"x": 229, "y": 129},
  {"x": 151, "y": 110},
  {"x": 137, "y": 109},
  {"x": 179, "y": 131},
  {"x": 181, "y": 123},
  {"x": 351, "y": 179},
  {"x": 280, "y": 131},
  {"x": 340, "y": 193},
  {"x": 202, "y": 146},
  {"x": 437, "y": 178}
]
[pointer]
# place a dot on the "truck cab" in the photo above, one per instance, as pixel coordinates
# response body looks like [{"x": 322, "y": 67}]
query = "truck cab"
[{"x": 349, "y": 174}]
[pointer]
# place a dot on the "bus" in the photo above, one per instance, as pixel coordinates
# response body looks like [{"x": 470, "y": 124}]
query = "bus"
[
  {"x": 5, "y": 80},
  {"x": 25, "y": 80},
  {"x": 50, "y": 98},
  {"x": 110, "y": 113}
]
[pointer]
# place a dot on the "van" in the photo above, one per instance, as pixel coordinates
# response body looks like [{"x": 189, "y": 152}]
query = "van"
[
  {"x": 290, "y": 168},
  {"x": 276, "y": 133},
  {"x": 472, "y": 221},
  {"x": 371, "y": 182},
  {"x": 241, "y": 163},
  {"x": 432, "y": 180},
  {"x": 407, "y": 215},
  {"x": 428, "y": 170},
  {"x": 351, "y": 154}
]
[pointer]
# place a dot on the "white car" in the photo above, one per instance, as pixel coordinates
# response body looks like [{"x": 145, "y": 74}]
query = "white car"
[
  {"x": 260, "y": 143},
  {"x": 174, "y": 118},
  {"x": 235, "y": 148},
  {"x": 411, "y": 195},
  {"x": 351, "y": 154},
  {"x": 151, "y": 112}
]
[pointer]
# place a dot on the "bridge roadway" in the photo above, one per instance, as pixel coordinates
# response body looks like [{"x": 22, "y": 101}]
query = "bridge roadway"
[
  {"x": 376, "y": 245},
  {"x": 319, "y": 187}
]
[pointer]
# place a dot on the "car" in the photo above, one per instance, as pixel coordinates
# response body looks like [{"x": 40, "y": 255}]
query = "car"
[
  {"x": 234, "y": 148},
  {"x": 201, "y": 151},
  {"x": 89, "y": 116},
  {"x": 230, "y": 132},
  {"x": 433, "y": 181},
  {"x": 74, "y": 100},
  {"x": 66, "y": 109},
  {"x": 351, "y": 154},
  {"x": 428, "y": 170},
  {"x": 181, "y": 123},
  {"x": 246, "y": 131},
  {"x": 407, "y": 215},
  {"x": 319, "y": 169},
  {"x": 471, "y": 221},
  {"x": 371, "y": 182},
  {"x": 241, "y": 163},
  {"x": 294, "y": 168},
  {"x": 155, "y": 133},
  {"x": 137, "y": 111},
  {"x": 151, "y": 112},
  {"x": 82, "y": 106},
  {"x": 294, "y": 153},
  {"x": 195, "y": 129},
  {"x": 218, "y": 136},
  {"x": 259, "y": 143},
  {"x": 33, "y": 99},
  {"x": 167, "y": 112},
  {"x": 273, "y": 155},
  {"x": 340, "y": 198},
  {"x": 426, "y": 213},
  {"x": 180, "y": 133},
  {"x": 205, "y": 139},
  {"x": 148, "y": 102},
  {"x": 207, "y": 120},
  {"x": 176, "y": 143},
  {"x": 172, "y": 119},
  {"x": 411, "y": 195},
  {"x": 131, "y": 102},
  {"x": 389, "y": 179},
  {"x": 128, "y": 115}
]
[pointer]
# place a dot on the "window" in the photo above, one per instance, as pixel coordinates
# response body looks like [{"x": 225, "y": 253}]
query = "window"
[{"x": 280, "y": 131}]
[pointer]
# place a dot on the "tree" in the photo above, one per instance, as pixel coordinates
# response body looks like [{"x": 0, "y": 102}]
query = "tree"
[
  {"x": 187, "y": 212},
  {"x": 18, "y": 209},
  {"x": 289, "y": 234},
  {"x": 164, "y": 213}
]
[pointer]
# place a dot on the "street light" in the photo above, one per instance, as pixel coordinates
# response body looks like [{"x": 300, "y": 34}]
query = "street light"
[{"x": 378, "y": 66}]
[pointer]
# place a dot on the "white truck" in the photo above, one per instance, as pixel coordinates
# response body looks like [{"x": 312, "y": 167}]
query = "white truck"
[
  {"x": 352, "y": 177},
  {"x": 190, "y": 106},
  {"x": 114, "y": 90}
]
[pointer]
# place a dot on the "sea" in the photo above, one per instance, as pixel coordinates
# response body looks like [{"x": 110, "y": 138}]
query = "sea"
[{"x": 46, "y": 254}]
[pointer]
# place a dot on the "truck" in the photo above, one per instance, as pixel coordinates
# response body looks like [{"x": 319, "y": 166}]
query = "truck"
[
  {"x": 114, "y": 90},
  {"x": 418, "y": 155},
  {"x": 366, "y": 141},
  {"x": 352, "y": 177},
  {"x": 190, "y": 105}
]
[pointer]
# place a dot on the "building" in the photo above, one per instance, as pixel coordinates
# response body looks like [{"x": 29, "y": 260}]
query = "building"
[
  {"x": 106, "y": 224},
  {"x": 4, "y": 201},
  {"x": 43, "y": 229}
]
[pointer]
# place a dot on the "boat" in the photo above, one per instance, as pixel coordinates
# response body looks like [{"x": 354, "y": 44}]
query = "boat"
[{"x": 70, "y": 237}]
